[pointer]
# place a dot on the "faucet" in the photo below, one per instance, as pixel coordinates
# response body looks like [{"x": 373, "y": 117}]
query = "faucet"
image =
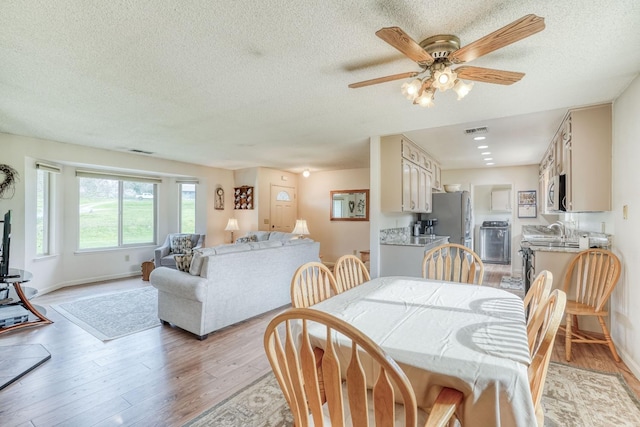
[{"x": 560, "y": 226}]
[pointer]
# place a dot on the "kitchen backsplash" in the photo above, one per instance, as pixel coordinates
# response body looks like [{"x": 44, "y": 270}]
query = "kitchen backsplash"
[{"x": 394, "y": 234}]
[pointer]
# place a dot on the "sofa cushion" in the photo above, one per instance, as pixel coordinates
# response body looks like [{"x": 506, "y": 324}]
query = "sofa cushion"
[
  {"x": 265, "y": 245},
  {"x": 225, "y": 249},
  {"x": 180, "y": 243},
  {"x": 198, "y": 259},
  {"x": 279, "y": 235},
  {"x": 261, "y": 235},
  {"x": 247, "y": 239},
  {"x": 297, "y": 241}
]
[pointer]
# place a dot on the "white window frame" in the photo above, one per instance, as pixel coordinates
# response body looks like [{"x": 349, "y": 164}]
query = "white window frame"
[
  {"x": 181, "y": 183},
  {"x": 121, "y": 178}
]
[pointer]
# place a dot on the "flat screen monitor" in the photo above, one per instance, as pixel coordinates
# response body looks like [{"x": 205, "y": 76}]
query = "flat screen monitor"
[{"x": 6, "y": 240}]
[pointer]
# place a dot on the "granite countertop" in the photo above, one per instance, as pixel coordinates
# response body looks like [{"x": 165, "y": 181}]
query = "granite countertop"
[
  {"x": 419, "y": 241},
  {"x": 551, "y": 248}
]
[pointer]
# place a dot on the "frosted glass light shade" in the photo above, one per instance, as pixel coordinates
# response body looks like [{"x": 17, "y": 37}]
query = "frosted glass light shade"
[
  {"x": 301, "y": 227},
  {"x": 232, "y": 225}
]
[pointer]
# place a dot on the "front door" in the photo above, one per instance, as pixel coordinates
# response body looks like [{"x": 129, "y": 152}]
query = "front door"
[{"x": 284, "y": 208}]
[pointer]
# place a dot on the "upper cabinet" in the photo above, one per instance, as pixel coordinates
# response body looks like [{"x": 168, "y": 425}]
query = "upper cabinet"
[
  {"x": 575, "y": 172},
  {"x": 406, "y": 172},
  {"x": 501, "y": 201}
]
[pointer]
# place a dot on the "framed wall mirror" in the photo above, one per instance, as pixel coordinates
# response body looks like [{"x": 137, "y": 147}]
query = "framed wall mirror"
[{"x": 349, "y": 205}]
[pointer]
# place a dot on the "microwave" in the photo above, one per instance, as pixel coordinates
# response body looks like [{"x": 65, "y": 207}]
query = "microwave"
[{"x": 556, "y": 197}]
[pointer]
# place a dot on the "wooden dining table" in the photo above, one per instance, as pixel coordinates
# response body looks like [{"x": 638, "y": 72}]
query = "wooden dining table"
[{"x": 442, "y": 334}]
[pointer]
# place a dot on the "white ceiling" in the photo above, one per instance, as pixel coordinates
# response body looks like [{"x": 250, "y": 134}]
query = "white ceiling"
[{"x": 249, "y": 83}]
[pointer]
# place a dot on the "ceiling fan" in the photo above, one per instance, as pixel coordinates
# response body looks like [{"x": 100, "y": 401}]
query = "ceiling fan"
[{"x": 436, "y": 54}]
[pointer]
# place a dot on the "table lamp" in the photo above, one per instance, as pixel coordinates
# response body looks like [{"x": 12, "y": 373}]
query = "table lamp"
[
  {"x": 232, "y": 226},
  {"x": 301, "y": 228}
]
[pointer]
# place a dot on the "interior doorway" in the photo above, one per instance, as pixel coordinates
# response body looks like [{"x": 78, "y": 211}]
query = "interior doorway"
[{"x": 284, "y": 208}]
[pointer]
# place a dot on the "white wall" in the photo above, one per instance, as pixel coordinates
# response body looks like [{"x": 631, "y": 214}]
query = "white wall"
[
  {"x": 336, "y": 238},
  {"x": 67, "y": 266},
  {"x": 625, "y": 319}
]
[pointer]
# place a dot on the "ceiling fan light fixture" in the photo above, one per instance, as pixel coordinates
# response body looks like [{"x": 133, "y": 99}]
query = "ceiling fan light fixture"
[
  {"x": 444, "y": 78},
  {"x": 426, "y": 99},
  {"x": 462, "y": 88},
  {"x": 411, "y": 89}
]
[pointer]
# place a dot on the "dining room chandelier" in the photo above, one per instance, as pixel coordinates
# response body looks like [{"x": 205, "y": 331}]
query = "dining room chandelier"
[{"x": 421, "y": 91}]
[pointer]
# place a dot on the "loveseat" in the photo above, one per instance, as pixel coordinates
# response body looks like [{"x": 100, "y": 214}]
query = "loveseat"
[{"x": 229, "y": 283}]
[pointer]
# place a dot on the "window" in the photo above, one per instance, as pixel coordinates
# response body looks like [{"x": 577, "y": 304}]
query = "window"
[
  {"x": 187, "y": 208},
  {"x": 116, "y": 210},
  {"x": 43, "y": 212}
]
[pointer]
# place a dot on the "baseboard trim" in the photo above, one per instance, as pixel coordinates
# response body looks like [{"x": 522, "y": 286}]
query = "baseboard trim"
[{"x": 88, "y": 281}]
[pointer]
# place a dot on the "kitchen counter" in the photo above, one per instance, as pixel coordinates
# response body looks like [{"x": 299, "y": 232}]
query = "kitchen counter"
[
  {"x": 428, "y": 242},
  {"x": 403, "y": 257},
  {"x": 543, "y": 248}
]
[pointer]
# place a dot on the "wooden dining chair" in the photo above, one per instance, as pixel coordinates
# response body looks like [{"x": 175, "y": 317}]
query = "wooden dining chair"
[
  {"x": 593, "y": 274},
  {"x": 350, "y": 272},
  {"x": 295, "y": 365},
  {"x": 312, "y": 283},
  {"x": 538, "y": 292},
  {"x": 544, "y": 326},
  {"x": 452, "y": 262}
]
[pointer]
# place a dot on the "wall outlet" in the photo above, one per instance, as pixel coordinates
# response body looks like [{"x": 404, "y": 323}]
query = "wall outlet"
[
  {"x": 625, "y": 212},
  {"x": 126, "y": 258}
]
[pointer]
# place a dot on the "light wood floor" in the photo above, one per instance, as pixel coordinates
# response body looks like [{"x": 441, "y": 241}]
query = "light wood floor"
[{"x": 159, "y": 377}]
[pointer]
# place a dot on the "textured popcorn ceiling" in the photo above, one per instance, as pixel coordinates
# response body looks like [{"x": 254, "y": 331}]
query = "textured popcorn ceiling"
[{"x": 243, "y": 83}]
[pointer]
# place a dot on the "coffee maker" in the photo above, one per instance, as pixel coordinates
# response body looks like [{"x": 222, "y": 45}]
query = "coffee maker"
[{"x": 429, "y": 228}]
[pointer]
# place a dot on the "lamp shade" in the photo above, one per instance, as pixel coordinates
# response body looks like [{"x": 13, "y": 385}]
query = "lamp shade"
[
  {"x": 232, "y": 225},
  {"x": 301, "y": 227}
]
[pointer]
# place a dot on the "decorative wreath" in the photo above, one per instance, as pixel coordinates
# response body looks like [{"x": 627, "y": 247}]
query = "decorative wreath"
[{"x": 8, "y": 178}]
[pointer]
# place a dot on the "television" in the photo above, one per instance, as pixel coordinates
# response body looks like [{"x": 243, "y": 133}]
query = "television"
[{"x": 6, "y": 240}]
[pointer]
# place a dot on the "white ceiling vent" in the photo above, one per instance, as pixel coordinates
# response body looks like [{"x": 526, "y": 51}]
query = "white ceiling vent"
[{"x": 477, "y": 131}]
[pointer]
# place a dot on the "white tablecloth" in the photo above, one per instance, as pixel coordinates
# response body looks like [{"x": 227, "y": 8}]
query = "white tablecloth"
[{"x": 472, "y": 338}]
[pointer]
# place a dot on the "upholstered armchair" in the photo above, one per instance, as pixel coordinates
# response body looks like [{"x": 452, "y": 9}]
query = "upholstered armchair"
[{"x": 176, "y": 244}]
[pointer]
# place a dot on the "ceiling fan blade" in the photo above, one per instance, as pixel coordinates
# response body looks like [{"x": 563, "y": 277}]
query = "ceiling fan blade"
[
  {"x": 383, "y": 79},
  {"x": 488, "y": 75},
  {"x": 517, "y": 30},
  {"x": 397, "y": 38}
]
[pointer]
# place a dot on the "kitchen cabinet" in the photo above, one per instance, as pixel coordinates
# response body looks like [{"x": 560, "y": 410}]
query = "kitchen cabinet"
[
  {"x": 581, "y": 153},
  {"x": 501, "y": 201},
  {"x": 406, "y": 171},
  {"x": 436, "y": 181}
]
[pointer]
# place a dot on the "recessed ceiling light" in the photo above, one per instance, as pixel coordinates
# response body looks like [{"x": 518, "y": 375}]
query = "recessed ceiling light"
[
  {"x": 490, "y": 164},
  {"x": 479, "y": 138},
  {"x": 486, "y": 153},
  {"x": 488, "y": 158},
  {"x": 483, "y": 146}
]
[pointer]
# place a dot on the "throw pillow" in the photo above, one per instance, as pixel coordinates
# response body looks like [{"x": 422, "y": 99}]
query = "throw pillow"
[
  {"x": 180, "y": 243},
  {"x": 183, "y": 262},
  {"x": 247, "y": 239}
]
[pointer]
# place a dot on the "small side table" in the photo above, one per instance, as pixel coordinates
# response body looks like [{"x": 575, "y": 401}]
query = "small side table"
[
  {"x": 16, "y": 279},
  {"x": 147, "y": 267}
]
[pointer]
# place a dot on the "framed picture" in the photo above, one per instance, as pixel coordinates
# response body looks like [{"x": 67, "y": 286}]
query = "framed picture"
[{"x": 527, "y": 204}]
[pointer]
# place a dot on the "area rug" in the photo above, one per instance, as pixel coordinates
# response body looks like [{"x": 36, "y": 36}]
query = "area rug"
[
  {"x": 112, "y": 316},
  {"x": 510, "y": 282},
  {"x": 573, "y": 397}
]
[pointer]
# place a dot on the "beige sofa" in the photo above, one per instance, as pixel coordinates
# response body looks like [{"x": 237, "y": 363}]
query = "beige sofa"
[{"x": 230, "y": 283}]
